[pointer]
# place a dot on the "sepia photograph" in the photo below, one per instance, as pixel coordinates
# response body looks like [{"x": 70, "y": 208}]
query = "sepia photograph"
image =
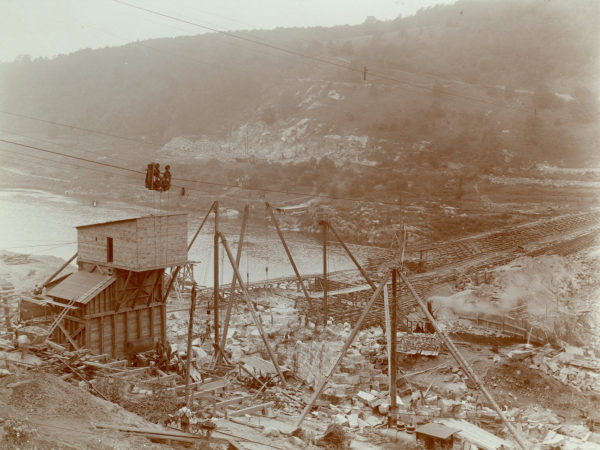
[{"x": 300, "y": 224}]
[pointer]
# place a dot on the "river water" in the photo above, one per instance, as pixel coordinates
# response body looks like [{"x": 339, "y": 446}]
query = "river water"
[{"x": 38, "y": 222}]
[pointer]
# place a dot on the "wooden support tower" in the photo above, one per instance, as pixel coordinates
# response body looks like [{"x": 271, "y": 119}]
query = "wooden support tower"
[
  {"x": 114, "y": 304},
  {"x": 216, "y": 273},
  {"x": 325, "y": 283}
]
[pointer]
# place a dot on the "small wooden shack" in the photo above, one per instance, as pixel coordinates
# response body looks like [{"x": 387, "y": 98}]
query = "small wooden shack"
[
  {"x": 435, "y": 436},
  {"x": 115, "y": 300}
]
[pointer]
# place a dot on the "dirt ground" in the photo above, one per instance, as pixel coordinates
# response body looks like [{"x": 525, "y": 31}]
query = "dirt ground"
[
  {"x": 514, "y": 384},
  {"x": 41, "y": 411}
]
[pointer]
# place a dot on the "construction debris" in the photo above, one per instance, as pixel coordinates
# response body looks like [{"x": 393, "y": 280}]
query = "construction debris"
[{"x": 277, "y": 366}]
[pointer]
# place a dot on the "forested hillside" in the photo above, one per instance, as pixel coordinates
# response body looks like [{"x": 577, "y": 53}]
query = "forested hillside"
[{"x": 509, "y": 81}]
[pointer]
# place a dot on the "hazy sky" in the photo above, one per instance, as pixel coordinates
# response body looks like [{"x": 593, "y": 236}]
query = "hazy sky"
[{"x": 52, "y": 27}]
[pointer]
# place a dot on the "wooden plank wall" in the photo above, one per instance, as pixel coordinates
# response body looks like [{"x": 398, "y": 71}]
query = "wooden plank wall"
[
  {"x": 142, "y": 317},
  {"x": 91, "y": 243},
  {"x": 111, "y": 333},
  {"x": 138, "y": 244},
  {"x": 162, "y": 241}
]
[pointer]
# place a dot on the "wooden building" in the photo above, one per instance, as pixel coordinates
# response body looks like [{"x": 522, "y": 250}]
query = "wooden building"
[
  {"x": 115, "y": 300},
  {"x": 436, "y": 436}
]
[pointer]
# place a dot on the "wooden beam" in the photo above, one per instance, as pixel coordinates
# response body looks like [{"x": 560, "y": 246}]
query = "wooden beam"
[
  {"x": 124, "y": 294},
  {"x": 112, "y": 313},
  {"x": 78, "y": 330},
  {"x": 51, "y": 277},
  {"x": 125, "y": 329},
  {"x": 151, "y": 321},
  {"x": 238, "y": 257},
  {"x": 325, "y": 282},
  {"x": 356, "y": 263},
  {"x": 393, "y": 312},
  {"x": 343, "y": 352},
  {"x": 163, "y": 322},
  {"x": 216, "y": 273},
  {"x": 66, "y": 333},
  {"x": 251, "y": 409},
  {"x": 151, "y": 296},
  {"x": 200, "y": 227},
  {"x": 252, "y": 311},
  {"x": 163, "y": 379},
  {"x": 140, "y": 286},
  {"x": 73, "y": 318},
  {"x": 101, "y": 333},
  {"x": 113, "y": 333},
  {"x": 129, "y": 372},
  {"x": 200, "y": 387},
  {"x": 138, "y": 323},
  {"x": 289, "y": 254},
  {"x": 174, "y": 435},
  {"x": 231, "y": 401},
  {"x": 188, "y": 362}
]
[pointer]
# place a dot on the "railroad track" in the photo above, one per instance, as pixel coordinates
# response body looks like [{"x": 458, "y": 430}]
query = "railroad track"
[{"x": 563, "y": 235}]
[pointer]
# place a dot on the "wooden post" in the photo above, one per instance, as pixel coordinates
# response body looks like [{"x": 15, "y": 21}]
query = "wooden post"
[
  {"x": 101, "y": 333},
  {"x": 188, "y": 363},
  {"x": 403, "y": 246},
  {"x": 216, "y": 273},
  {"x": 113, "y": 335},
  {"x": 251, "y": 308},
  {"x": 358, "y": 266},
  {"x": 343, "y": 352},
  {"x": 238, "y": 257},
  {"x": 388, "y": 328},
  {"x": 463, "y": 363},
  {"x": 126, "y": 330},
  {"x": 289, "y": 254},
  {"x": 393, "y": 417},
  {"x": 325, "y": 282}
]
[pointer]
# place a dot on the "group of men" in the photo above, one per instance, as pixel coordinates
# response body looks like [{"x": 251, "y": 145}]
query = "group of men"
[{"x": 156, "y": 181}]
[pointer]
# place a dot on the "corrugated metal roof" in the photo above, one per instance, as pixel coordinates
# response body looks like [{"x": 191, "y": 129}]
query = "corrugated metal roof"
[
  {"x": 476, "y": 435},
  {"x": 437, "y": 430},
  {"x": 81, "y": 286},
  {"x": 128, "y": 220}
]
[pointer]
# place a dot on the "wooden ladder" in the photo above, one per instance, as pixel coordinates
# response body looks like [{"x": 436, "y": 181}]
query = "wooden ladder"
[{"x": 60, "y": 317}]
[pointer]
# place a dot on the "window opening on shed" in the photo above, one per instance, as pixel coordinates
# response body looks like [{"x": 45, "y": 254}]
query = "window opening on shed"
[{"x": 109, "y": 249}]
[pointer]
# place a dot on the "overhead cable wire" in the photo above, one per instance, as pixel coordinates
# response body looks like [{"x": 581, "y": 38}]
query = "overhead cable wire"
[
  {"x": 312, "y": 57},
  {"x": 208, "y": 183},
  {"x": 95, "y": 153},
  {"x": 87, "y": 130}
]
